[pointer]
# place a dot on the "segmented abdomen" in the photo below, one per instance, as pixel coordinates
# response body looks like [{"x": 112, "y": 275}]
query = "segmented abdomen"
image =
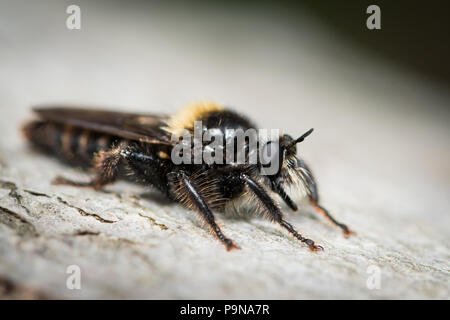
[{"x": 71, "y": 143}]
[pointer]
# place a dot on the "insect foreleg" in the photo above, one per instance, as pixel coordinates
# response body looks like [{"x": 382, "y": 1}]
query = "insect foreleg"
[
  {"x": 274, "y": 212},
  {"x": 314, "y": 198},
  {"x": 282, "y": 193},
  {"x": 347, "y": 232}
]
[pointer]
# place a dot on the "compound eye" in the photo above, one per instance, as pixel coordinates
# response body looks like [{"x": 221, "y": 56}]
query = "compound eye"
[{"x": 270, "y": 153}]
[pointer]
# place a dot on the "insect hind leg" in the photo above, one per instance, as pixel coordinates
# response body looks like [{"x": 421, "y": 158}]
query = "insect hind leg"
[{"x": 106, "y": 164}]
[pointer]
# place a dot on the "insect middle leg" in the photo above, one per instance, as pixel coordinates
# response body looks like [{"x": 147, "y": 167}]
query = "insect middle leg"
[{"x": 189, "y": 193}]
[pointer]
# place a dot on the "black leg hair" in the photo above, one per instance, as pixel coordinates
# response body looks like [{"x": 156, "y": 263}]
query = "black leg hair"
[
  {"x": 290, "y": 203},
  {"x": 275, "y": 213},
  {"x": 195, "y": 199}
]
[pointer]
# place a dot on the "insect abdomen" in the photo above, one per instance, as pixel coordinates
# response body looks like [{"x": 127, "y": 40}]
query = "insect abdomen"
[{"x": 69, "y": 142}]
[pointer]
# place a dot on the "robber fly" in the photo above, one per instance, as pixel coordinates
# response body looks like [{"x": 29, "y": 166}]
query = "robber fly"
[{"x": 141, "y": 145}]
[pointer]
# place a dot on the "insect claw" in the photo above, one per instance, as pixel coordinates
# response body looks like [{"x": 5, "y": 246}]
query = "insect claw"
[
  {"x": 316, "y": 248},
  {"x": 231, "y": 246},
  {"x": 348, "y": 233},
  {"x": 312, "y": 246}
]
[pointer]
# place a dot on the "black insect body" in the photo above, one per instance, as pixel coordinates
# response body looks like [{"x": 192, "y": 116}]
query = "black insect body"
[{"x": 141, "y": 145}]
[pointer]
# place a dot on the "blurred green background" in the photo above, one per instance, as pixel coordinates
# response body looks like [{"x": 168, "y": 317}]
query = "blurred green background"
[{"x": 414, "y": 34}]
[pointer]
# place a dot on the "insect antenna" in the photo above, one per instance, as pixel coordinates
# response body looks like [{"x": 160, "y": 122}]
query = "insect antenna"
[{"x": 298, "y": 140}]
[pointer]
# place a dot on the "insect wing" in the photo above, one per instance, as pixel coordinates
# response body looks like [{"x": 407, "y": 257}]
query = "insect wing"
[{"x": 133, "y": 126}]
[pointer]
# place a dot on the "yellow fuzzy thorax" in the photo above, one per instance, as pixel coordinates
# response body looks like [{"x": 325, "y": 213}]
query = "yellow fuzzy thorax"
[{"x": 184, "y": 118}]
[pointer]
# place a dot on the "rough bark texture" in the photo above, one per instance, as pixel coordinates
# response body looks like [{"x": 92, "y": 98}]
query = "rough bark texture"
[{"x": 380, "y": 153}]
